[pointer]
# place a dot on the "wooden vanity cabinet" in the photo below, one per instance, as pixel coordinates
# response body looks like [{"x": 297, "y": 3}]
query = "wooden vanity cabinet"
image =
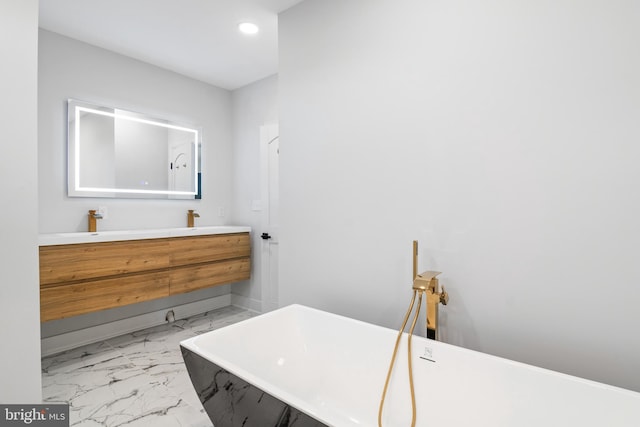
[
  {"x": 198, "y": 262},
  {"x": 82, "y": 278}
]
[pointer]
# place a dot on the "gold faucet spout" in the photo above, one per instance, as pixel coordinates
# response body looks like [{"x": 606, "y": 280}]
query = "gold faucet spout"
[
  {"x": 435, "y": 297},
  {"x": 93, "y": 216},
  {"x": 426, "y": 281},
  {"x": 191, "y": 214}
]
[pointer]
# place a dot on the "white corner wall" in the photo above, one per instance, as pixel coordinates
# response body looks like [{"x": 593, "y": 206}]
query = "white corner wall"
[
  {"x": 72, "y": 69},
  {"x": 252, "y": 106},
  {"x": 503, "y": 135},
  {"x": 20, "y": 377}
]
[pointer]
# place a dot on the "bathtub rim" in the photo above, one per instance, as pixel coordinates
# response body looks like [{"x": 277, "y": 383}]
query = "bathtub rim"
[
  {"x": 279, "y": 393},
  {"x": 327, "y": 417}
]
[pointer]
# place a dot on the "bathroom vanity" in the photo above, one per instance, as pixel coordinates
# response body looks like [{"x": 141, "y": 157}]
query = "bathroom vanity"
[{"x": 85, "y": 272}]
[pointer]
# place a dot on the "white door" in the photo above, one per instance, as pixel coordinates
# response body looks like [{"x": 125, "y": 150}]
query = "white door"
[{"x": 270, "y": 151}]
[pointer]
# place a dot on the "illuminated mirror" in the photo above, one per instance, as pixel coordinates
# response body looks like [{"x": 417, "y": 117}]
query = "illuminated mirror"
[{"x": 118, "y": 153}]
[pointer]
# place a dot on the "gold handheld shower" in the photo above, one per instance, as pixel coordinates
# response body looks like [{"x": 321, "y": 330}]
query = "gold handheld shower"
[{"x": 424, "y": 283}]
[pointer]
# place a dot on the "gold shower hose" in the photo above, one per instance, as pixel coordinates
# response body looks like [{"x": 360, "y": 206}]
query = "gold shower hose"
[{"x": 395, "y": 352}]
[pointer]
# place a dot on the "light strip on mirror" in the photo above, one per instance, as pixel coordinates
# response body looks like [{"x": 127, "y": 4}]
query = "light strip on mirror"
[
  {"x": 194, "y": 158},
  {"x": 128, "y": 191},
  {"x": 76, "y": 150},
  {"x": 134, "y": 119}
]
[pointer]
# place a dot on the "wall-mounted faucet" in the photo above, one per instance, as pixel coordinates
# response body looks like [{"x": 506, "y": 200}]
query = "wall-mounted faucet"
[
  {"x": 191, "y": 214},
  {"x": 93, "y": 216}
]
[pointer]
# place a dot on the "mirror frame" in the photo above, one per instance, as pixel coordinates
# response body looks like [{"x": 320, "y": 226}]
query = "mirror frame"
[{"x": 74, "y": 187}]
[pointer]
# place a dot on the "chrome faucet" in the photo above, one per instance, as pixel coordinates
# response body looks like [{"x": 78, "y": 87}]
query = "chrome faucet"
[
  {"x": 93, "y": 216},
  {"x": 191, "y": 214}
]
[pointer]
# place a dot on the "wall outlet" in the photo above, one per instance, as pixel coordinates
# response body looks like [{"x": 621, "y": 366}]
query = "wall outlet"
[
  {"x": 102, "y": 210},
  {"x": 221, "y": 212},
  {"x": 256, "y": 205}
]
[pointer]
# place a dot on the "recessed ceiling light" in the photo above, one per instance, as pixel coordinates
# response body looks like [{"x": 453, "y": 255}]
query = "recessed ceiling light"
[{"x": 248, "y": 28}]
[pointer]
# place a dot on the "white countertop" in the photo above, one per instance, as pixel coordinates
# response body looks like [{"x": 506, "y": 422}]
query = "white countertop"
[{"x": 111, "y": 236}]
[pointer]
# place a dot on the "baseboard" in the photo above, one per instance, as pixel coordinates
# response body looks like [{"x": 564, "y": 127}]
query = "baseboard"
[
  {"x": 63, "y": 342},
  {"x": 247, "y": 303}
]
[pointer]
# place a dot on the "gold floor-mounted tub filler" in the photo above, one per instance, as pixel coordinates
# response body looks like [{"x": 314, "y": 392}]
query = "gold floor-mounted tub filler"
[{"x": 423, "y": 283}]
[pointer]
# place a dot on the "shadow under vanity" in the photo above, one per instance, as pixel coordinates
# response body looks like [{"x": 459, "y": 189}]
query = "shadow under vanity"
[{"x": 87, "y": 272}]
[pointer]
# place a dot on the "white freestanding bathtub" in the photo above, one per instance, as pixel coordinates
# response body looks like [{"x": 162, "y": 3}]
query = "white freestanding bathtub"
[{"x": 298, "y": 366}]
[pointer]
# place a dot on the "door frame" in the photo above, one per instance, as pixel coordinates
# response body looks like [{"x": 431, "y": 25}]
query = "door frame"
[{"x": 268, "y": 133}]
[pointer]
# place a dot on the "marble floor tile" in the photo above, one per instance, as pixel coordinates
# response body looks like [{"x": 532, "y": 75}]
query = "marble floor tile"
[{"x": 137, "y": 379}]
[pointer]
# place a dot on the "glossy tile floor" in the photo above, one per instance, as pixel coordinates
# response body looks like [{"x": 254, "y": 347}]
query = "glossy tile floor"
[{"x": 138, "y": 379}]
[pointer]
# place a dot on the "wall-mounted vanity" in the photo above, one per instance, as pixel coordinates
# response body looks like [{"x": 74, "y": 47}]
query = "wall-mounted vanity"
[
  {"x": 121, "y": 154},
  {"x": 86, "y": 272}
]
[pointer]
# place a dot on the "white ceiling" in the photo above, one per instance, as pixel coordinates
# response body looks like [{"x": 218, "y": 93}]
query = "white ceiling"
[{"x": 197, "y": 38}]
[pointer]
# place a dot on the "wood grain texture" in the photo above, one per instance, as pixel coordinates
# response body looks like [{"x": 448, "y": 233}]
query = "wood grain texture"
[
  {"x": 68, "y": 263},
  {"x": 59, "y": 302},
  {"x": 82, "y": 278},
  {"x": 187, "y": 279},
  {"x": 198, "y": 249}
]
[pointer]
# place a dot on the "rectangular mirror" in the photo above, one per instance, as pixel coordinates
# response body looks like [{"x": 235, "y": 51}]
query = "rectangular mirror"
[{"x": 118, "y": 153}]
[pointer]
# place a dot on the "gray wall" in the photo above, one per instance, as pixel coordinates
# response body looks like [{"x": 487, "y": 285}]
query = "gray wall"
[
  {"x": 500, "y": 134},
  {"x": 19, "y": 294},
  {"x": 72, "y": 69}
]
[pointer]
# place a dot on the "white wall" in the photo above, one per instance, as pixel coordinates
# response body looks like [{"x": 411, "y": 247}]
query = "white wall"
[
  {"x": 72, "y": 69},
  {"x": 253, "y": 105},
  {"x": 19, "y": 295},
  {"x": 500, "y": 134}
]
